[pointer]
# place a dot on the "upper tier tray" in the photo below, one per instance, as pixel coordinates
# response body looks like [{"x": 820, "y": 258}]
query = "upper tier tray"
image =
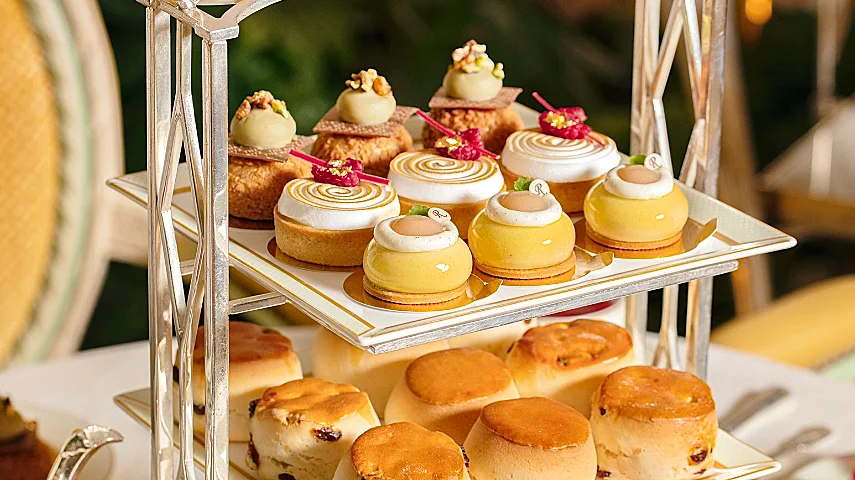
[{"x": 320, "y": 294}]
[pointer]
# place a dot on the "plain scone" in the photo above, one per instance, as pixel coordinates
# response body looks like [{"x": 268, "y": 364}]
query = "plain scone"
[
  {"x": 653, "y": 423},
  {"x": 336, "y": 360},
  {"x": 531, "y": 439},
  {"x": 259, "y": 358},
  {"x": 445, "y": 391},
  {"x": 403, "y": 451},
  {"x": 496, "y": 340},
  {"x": 566, "y": 361},
  {"x": 304, "y": 427}
]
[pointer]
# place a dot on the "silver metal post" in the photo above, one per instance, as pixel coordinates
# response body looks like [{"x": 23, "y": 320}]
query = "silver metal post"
[
  {"x": 158, "y": 113},
  {"x": 216, "y": 233}
]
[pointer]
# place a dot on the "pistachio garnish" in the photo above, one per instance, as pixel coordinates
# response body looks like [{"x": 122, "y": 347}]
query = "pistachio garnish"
[
  {"x": 367, "y": 80},
  {"x": 261, "y": 99}
]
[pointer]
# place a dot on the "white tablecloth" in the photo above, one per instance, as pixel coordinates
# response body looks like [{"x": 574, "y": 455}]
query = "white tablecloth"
[{"x": 85, "y": 384}]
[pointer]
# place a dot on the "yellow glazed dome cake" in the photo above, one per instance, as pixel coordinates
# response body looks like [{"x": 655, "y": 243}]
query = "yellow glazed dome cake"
[
  {"x": 332, "y": 223},
  {"x": 366, "y": 124},
  {"x": 637, "y": 206},
  {"x": 523, "y": 234},
  {"x": 460, "y": 187},
  {"x": 417, "y": 258},
  {"x": 473, "y": 96}
]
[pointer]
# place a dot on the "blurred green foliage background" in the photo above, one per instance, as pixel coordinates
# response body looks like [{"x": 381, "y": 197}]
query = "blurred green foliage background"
[{"x": 573, "y": 52}]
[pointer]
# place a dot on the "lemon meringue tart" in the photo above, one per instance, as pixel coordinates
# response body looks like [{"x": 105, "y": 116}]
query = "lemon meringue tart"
[
  {"x": 473, "y": 96},
  {"x": 330, "y": 220},
  {"x": 416, "y": 259},
  {"x": 637, "y": 206},
  {"x": 523, "y": 234},
  {"x": 460, "y": 187}
]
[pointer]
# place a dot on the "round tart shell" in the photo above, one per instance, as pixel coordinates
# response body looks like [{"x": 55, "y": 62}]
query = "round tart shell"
[
  {"x": 336, "y": 248},
  {"x": 461, "y": 214},
  {"x": 571, "y": 195},
  {"x": 631, "y": 245},
  {"x": 530, "y": 274},
  {"x": 411, "y": 298},
  {"x": 496, "y": 125},
  {"x": 256, "y": 185},
  {"x": 375, "y": 153}
]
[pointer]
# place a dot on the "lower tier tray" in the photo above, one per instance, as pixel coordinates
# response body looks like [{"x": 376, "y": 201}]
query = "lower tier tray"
[{"x": 734, "y": 458}]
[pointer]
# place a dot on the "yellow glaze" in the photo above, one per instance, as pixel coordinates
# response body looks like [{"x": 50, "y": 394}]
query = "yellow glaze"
[
  {"x": 633, "y": 220},
  {"x": 521, "y": 248},
  {"x": 418, "y": 272}
]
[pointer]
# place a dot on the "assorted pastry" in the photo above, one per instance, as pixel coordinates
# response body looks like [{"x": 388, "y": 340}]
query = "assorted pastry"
[
  {"x": 567, "y": 361},
  {"x": 637, "y": 206},
  {"x": 445, "y": 391},
  {"x": 636, "y": 404},
  {"x": 300, "y": 430},
  {"x": 330, "y": 218},
  {"x": 523, "y": 234},
  {"x": 564, "y": 152},
  {"x": 473, "y": 96},
  {"x": 23, "y": 455},
  {"x": 261, "y": 135},
  {"x": 455, "y": 177},
  {"x": 366, "y": 124},
  {"x": 417, "y": 258}
]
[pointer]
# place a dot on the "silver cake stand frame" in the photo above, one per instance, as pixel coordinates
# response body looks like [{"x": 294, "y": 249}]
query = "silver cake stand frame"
[{"x": 171, "y": 126}]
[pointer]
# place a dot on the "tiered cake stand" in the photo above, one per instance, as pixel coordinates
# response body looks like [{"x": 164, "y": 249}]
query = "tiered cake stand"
[{"x": 192, "y": 199}]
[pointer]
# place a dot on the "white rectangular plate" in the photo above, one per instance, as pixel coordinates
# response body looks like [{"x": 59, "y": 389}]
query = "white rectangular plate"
[
  {"x": 735, "y": 459},
  {"x": 320, "y": 294}
]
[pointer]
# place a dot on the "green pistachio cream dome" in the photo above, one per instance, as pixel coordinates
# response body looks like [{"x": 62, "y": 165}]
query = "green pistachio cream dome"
[
  {"x": 368, "y": 100},
  {"x": 473, "y": 75},
  {"x": 262, "y": 121}
]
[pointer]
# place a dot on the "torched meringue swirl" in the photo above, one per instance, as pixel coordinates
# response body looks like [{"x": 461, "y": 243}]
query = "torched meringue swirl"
[
  {"x": 330, "y": 207},
  {"x": 426, "y": 176},
  {"x": 533, "y": 154}
]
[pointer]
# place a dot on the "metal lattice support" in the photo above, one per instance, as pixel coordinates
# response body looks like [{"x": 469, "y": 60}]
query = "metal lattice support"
[{"x": 653, "y": 60}]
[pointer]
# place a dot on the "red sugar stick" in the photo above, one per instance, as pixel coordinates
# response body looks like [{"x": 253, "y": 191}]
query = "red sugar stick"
[
  {"x": 549, "y": 107},
  {"x": 447, "y": 131},
  {"x": 321, "y": 163}
]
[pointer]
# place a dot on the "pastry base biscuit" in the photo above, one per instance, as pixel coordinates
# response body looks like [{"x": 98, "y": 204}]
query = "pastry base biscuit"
[
  {"x": 411, "y": 298},
  {"x": 375, "y": 153},
  {"x": 256, "y": 185},
  {"x": 461, "y": 214},
  {"x": 495, "y": 125},
  {"x": 631, "y": 245},
  {"x": 571, "y": 195},
  {"x": 337, "y": 248},
  {"x": 529, "y": 274}
]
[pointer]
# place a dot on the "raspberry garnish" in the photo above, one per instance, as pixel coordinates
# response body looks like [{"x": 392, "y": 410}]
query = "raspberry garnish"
[
  {"x": 466, "y": 145},
  {"x": 342, "y": 173},
  {"x": 566, "y": 123}
]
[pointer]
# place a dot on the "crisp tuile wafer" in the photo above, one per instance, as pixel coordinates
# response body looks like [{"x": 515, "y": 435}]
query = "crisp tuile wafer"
[
  {"x": 504, "y": 99},
  {"x": 332, "y": 123},
  {"x": 281, "y": 154}
]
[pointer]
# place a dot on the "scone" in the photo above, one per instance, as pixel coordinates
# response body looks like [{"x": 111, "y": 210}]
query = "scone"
[
  {"x": 300, "y": 430},
  {"x": 523, "y": 234},
  {"x": 567, "y": 361},
  {"x": 460, "y": 187},
  {"x": 496, "y": 340},
  {"x": 259, "y": 358},
  {"x": 668, "y": 415},
  {"x": 445, "y": 391},
  {"x": 23, "y": 456},
  {"x": 366, "y": 124},
  {"x": 637, "y": 206},
  {"x": 330, "y": 219},
  {"x": 336, "y": 360},
  {"x": 531, "y": 439},
  {"x": 261, "y": 130},
  {"x": 403, "y": 451},
  {"x": 472, "y": 96},
  {"x": 417, "y": 259}
]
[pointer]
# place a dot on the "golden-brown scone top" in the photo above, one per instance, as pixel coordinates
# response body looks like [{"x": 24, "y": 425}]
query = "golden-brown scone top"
[
  {"x": 247, "y": 343},
  {"x": 450, "y": 377},
  {"x": 649, "y": 392},
  {"x": 576, "y": 344},
  {"x": 537, "y": 422},
  {"x": 313, "y": 400},
  {"x": 406, "y": 451}
]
